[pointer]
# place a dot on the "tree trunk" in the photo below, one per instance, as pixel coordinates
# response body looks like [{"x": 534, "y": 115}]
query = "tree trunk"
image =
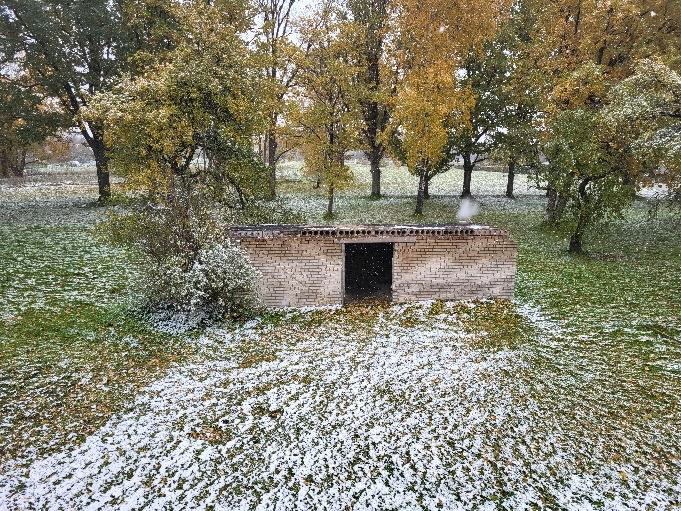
[
  {"x": 329, "y": 205},
  {"x": 467, "y": 175},
  {"x": 554, "y": 205},
  {"x": 576, "y": 242},
  {"x": 426, "y": 191},
  {"x": 374, "y": 115},
  {"x": 272, "y": 163},
  {"x": 12, "y": 162},
  {"x": 4, "y": 164},
  {"x": 18, "y": 168},
  {"x": 375, "y": 163},
  {"x": 102, "y": 163},
  {"x": 261, "y": 148},
  {"x": 583, "y": 219},
  {"x": 22, "y": 161},
  {"x": 511, "y": 177},
  {"x": 550, "y": 204},
  {"x": 576, "y": 237},
  {"x": 420, "y": 194}
]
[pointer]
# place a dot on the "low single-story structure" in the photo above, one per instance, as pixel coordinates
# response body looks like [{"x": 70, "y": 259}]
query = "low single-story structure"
[{"x": 308, "y": 265}]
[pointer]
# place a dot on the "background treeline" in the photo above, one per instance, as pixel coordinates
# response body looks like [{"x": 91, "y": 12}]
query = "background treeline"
[{"x": 199, "y": 100}]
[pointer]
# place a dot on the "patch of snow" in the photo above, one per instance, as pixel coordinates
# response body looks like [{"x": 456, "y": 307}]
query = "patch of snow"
[{"x": 397, "y": 417}]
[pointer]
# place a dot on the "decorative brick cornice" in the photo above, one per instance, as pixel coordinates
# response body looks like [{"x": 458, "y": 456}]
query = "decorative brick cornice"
[{"x": 364, "y": 231}]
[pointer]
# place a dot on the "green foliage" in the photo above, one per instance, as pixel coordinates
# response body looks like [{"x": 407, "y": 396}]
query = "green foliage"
[
  {"x": 25, "y": 120},
  {"x": 71, "y": 50},
  {"x": 644, "y": 116},
  {"x": 484, "y": 73},
  {"x": 584, "y": 171},
  {"x": 375, "y": 78},
  {"x": 516, "y": 139},
  {"x": 188, "y": 262},
  {"x": 220, "y": 282},
  {"x": 201, "y": 100},
  {"x": 183, "y": 132},
  {"x": 581, "y": 53}
]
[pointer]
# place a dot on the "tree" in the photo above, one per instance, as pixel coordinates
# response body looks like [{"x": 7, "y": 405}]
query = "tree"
[
  {"x": 183, "y": 130},
  {"x": 279, "y": 52},
  {"x": 644, "y": 110},
  {"x": 375, "y": 80},
  {"x": 517, "y": 143},
  {"x": 72, "y": 50},
  {"x": 428, "y": 104},
  {"x": 582, "y": 50},
  {"x": 594, "y": 178},
  {"x": 201, "y": 100},
  {"x": 516, "y": 139},
  {"x": 612, "y": 35},
  {"x": 26, "y": 119},
  {"x": 326, "y": 115},
  {"x": 484, "y": 72},
  {"x": 434, "y": 39}
]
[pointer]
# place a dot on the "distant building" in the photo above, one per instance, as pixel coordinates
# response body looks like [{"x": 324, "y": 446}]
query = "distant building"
[{"x": 323, "y": 265}]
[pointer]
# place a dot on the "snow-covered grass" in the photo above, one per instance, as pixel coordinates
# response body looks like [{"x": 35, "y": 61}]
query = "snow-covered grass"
[
  {"x": 567, "y": 398},
  {"x": 396, "y": 180},
  {"x": 398, "y": 407},
  {"x": 70, "y": 352}
]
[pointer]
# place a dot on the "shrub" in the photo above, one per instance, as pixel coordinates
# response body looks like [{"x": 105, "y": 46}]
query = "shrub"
[
  {"x": 189, "y": 264},
  {"x": 219, "y": 281},
  {"x": 272, "y": 212}
]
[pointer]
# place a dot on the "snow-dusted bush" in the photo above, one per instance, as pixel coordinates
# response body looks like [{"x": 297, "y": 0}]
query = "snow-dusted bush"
[
  {"x": 189, "y": 263},
  {"x": 220, "y": 281}
]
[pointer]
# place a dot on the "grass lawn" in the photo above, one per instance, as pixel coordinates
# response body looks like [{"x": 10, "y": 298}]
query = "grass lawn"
[{"x": 567, "y": 398}]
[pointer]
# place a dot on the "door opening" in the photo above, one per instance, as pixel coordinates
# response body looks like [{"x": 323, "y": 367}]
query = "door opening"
[{"x": 368, "y": 271}]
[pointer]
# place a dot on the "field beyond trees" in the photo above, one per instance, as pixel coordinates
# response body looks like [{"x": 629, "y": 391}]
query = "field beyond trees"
[{"x": 566, "y": 398}]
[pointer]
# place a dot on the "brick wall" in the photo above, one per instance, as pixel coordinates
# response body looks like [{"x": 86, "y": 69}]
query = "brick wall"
[
  {"x": 300, "y": 271},
  {"x": 297, "y": 272},
  {"x": 454, "y": 268}
]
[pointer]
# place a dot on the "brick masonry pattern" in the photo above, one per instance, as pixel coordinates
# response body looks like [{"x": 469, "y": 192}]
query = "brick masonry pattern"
[
  {"x": 300, "y": 272},
  {"x": 296, "y": 272},
  {"x": 463, "y": 268}
]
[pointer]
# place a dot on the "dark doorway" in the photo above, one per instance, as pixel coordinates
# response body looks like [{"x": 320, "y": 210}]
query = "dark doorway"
[{"x": 368, "y": 271}]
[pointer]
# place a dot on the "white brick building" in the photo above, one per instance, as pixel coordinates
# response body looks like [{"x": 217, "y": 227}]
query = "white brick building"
[{"x": 322, "y": 265}]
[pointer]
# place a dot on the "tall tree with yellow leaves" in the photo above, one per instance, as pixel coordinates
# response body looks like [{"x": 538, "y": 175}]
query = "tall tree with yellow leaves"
[
  {"x": 432, "y": 39},
  {"x": 326, "y": 115}
]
